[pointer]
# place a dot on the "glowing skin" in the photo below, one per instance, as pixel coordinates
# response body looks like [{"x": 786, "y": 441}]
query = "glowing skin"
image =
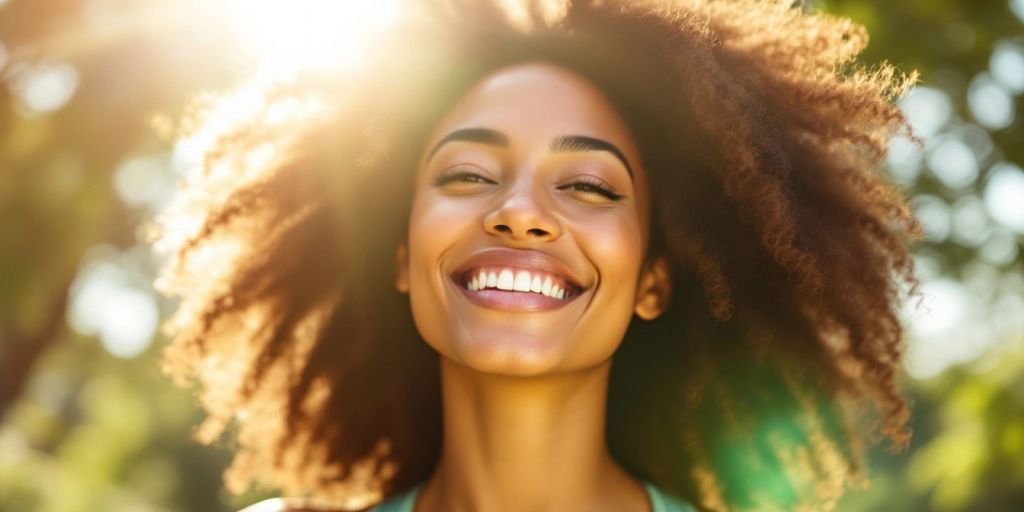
[{"x": 524, "y": 374}]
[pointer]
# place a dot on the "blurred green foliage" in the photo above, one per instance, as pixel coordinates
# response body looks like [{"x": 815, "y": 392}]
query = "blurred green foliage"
[
  {"x": 92, "y": 432},
  {"x": 85, "y": 430},
  {"x": 968, "y": 443}
]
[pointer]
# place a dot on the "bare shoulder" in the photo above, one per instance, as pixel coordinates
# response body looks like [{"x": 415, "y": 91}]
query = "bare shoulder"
[{"x": 294, "y": 505}]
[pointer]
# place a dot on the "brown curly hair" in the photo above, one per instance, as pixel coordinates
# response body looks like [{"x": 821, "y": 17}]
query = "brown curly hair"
[{"x": 763, "y": 138}]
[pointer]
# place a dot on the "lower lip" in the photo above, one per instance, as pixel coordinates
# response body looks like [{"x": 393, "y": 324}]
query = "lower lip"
[{"x": 514, "y": 301}]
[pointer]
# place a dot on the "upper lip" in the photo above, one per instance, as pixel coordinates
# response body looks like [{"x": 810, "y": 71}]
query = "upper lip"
[{"x": 530, "y": 260}]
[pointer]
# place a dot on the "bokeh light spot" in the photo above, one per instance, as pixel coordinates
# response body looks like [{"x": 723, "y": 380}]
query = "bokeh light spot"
[
  {"x": 141, "y": 181},
  {"x": 934, "y": 215},
  {"x": 1017, "y": 6},
  {"x": 1001, "y": 247},
  {"x": 990, "y": 104},
  {"x": 953, "y": 163},
  {"x": 970, "y": 223},
  {"x": 978, "y": 140},
  {"x": 1004, "y": 195},
  {"x": 904, "y": 160},
  {"x": 928, "y": 109},
  {"x": 104, "y": 303},
  {"x": 45, "y": 87},
  {"x": 940, "y": 337},
  {"x": 1007, "y": 65}
]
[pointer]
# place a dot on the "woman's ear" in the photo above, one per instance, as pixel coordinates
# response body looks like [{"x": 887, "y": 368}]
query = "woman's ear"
[
  {"x": 654, "y": 289},
  {"x": 402, "y": 268}
]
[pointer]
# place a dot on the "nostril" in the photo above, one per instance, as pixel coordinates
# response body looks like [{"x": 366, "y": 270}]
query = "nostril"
[{"x": 505, "y": 228}]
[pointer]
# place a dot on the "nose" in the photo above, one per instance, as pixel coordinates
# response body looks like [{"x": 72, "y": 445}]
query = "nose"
[{"x": 520, "y": 217}]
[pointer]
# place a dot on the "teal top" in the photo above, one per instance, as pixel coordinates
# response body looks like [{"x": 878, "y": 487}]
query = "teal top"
[{"x": 660, "y": 501}]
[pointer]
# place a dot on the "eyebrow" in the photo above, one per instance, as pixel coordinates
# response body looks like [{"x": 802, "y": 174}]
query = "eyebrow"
[
  {"x": 480, "y": 135},
  {"x": 560, "y": 144},
  {"x": 571, "y": 143}
]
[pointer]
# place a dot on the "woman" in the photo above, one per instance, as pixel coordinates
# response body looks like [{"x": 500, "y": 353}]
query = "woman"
[{"x": 416, "y": 283}]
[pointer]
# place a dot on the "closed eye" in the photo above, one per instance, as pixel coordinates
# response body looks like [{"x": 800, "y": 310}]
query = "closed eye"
[
  {"x": 586, "y": 185},
  {"x": 593, "y": 186},
  {"x": 461, "y": 175}
]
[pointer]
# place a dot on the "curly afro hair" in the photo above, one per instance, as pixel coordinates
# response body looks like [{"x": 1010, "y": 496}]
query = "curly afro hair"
[{"x": 778, "y": 358}]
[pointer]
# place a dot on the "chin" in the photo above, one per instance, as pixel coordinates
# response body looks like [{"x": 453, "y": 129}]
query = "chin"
[{"x": 509, "y": 351}]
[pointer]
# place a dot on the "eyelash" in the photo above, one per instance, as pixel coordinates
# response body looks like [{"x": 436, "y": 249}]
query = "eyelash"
[
  {"x": 585, "y": 184},
  {"x": 454, "y": 174},
  {"x": 588, "y": 184}
]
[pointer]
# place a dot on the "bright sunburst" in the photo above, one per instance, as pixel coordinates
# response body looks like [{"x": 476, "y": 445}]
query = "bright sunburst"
[{"x": 308, "y": 34}]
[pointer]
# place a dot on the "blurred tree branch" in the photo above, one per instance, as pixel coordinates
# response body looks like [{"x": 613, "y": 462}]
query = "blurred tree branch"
[{"x": 21, "y": 350}]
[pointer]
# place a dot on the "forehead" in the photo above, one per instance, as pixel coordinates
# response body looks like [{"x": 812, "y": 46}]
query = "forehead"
[{"x": 535, "y": 102}]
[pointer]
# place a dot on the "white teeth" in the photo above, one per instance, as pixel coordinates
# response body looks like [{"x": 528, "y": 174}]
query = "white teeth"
[
  {"x": 505, "y": 280},
  {"x": 516, "y": 280},
  {"x": 522, "y": 282}
]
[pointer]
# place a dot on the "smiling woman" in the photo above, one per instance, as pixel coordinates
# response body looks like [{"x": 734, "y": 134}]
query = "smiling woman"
[
  {"x": 522, "y": 214},
  {"x": 567, "y": 256},
  {"x": 520, "y": 205}
]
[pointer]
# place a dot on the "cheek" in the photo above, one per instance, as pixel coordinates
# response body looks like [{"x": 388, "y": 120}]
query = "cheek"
[
  {"x": 436, "y": 227},
  {"x": 427, "y": 239},
  {"x": 614, "y": 245},
  {"x": 433, "y": 226},
  {"x": 436, "y": 224}
]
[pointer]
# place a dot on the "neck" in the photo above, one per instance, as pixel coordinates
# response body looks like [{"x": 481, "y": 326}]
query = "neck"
[{"x": 527, "y": 443}]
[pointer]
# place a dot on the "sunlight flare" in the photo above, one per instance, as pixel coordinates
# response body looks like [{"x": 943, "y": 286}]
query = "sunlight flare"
[{"x": 308, "y": 34}]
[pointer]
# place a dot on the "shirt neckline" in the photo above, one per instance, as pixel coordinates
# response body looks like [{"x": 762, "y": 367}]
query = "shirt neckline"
[{"x": 660, "y": 502}]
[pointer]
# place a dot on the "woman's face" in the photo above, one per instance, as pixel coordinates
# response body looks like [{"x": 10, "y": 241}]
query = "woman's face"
[{"x": 529, "y": 221}]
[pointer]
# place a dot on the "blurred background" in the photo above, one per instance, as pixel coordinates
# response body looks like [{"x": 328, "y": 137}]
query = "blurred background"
[{"x": 89, "y": 87}]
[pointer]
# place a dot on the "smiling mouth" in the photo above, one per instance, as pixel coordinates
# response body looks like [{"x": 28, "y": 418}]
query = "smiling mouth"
[{"x": 518, "y": 281}]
